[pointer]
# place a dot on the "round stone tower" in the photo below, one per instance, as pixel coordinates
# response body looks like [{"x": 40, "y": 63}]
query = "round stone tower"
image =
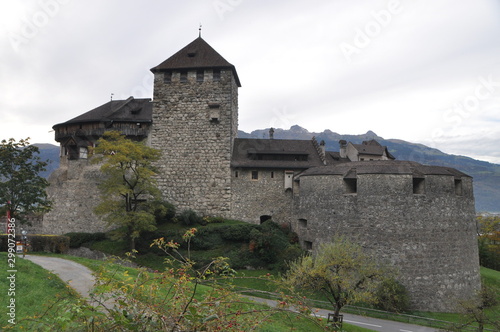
[
  {"x": 195, "y": 120},
  {"x": 420, "y": 219}
]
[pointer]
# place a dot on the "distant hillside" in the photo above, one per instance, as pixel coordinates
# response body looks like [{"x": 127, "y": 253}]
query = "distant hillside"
[
  {"x": 49, "y": 152},
  {"x": 486, "y": 175}
]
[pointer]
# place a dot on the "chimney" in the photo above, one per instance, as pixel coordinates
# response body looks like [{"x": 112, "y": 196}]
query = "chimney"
[
  {"x": 343, "y": 148},
  {"x": 271, "y": 133}
]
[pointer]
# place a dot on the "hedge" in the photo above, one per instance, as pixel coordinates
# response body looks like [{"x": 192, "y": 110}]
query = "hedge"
[{"x": 45, "y": 243}]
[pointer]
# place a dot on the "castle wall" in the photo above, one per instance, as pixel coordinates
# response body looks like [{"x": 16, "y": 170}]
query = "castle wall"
[
  {"x": 74, "y": 194},
  {"x": 430, "y": 237},
  {"x": 265, "y": 196},
  {"x": 194, "y": 170}
]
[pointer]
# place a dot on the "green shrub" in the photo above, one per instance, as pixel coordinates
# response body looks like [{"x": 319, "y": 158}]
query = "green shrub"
[
  {"x": 189, "y": 218},
  {"x": 47, "y": 243},
  {"x": 392, "y": 296},
  {"x": 164, "y": 211},
  {"x": 76, "y": 240}
]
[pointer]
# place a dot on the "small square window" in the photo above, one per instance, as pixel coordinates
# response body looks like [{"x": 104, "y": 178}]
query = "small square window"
[
  {"x": 308, "y": 245},
  {"x": 303, "y": 223},
  {"x": 419, "y": 186},
  {"x": 255, "y": 175},
  {"x": 351, "y": 186}
]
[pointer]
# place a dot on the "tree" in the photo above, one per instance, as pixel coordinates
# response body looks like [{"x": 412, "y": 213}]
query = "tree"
[
  {"x": 129, "y": 184},
  {"x": 340, "y": 270},
  {"x": 22, "y": 190},
  {"x": 489, "y": 241}
]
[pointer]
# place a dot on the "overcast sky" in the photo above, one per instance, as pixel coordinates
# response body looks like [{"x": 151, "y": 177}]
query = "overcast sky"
[{"x": 424, "y": 71}]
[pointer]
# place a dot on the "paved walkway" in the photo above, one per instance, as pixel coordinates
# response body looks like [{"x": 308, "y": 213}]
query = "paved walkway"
[{"x": 81, "y": 279}]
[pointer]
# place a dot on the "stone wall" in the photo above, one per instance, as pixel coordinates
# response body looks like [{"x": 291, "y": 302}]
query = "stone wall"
[
  {"x": 194, "y": 124},
  {"x": 264, "y": 196},
  {"x": 430, "y": 237},
  {"x": 74, "y": 194}
]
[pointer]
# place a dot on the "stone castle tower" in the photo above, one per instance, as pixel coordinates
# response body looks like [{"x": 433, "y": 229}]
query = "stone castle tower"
[{"x": 195, "y": 121}]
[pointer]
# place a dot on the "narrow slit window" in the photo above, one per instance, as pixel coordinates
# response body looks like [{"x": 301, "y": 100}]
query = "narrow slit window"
[
  {"x": 272, "y": 175},
  {"x": 255, "y": 175},
  {"x": 236, "y": 174},
  {"x": 458, "y": 187}
]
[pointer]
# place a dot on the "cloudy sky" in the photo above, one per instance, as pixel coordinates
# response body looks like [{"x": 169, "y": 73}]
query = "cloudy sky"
[{"x": 423, "y": 71}]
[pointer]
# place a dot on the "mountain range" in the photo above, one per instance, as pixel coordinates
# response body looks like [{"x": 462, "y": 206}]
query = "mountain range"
[{"x": 486, "y": 175}]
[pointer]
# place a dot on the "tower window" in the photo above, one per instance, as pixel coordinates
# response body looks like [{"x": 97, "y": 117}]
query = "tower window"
[
  {"x": 308, "y": 245},
  {"x": 200, "y": 75},
  {"x": 255, "y": 175},
  {"x": 303, "y": 223},
  {"x": 419, "y": 186},
  {"x": 216, "y": 77},
  {"x": 167, "y": 77},
  {"x": 236, "y": 174},
  {"x": 272, "y": 175},
  {"x": 458, "y": 187},
  {"x": 184, "y": 76}
]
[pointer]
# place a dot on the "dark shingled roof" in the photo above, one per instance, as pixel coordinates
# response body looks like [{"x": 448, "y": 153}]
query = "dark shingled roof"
[
  {"x": 384, "y": 167},
  {"x": 373, "y": 148},
  {"x": 245, "y": 151},
  {"x": 130, "y": 110},
  {"x": 196, "y": 55}
]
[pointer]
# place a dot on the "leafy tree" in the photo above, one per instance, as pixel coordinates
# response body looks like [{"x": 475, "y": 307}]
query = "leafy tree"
[
  {"x": 392, "y": 296},
  {"x": 129, "y": 184},
  {"x": 22, "y": 190},
  {"x": 473, "y": 312},
  {"x": 489, "y": 241},
  {"x": 340, "y": 270}
]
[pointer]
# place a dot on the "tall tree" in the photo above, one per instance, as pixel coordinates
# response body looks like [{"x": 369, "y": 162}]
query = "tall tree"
[
  {"x": 128, "y": 186},
  {"x": 341, "y": 270},
  {"x": 22, "y": 190}
]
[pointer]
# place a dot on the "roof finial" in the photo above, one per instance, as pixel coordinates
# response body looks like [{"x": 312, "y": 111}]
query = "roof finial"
[
  {"x": 199, "y": 29},
  {"x": 112, "y": 96}
]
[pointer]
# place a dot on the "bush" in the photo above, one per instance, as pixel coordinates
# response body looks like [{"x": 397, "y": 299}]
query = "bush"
[
  {"x": 58, "y": 244},
  {"x": 76, "y": 240},
  {"x": 189, "y": 218},
  {"x": 163, "y": 211},
  {"x": 392, "y": 296}
]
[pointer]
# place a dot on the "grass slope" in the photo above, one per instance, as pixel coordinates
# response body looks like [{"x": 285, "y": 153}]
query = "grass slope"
[{"x": 35, "y": 290}]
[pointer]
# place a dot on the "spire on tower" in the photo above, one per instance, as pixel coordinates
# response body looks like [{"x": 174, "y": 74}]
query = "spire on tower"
[{"x": 199, "y": 31}]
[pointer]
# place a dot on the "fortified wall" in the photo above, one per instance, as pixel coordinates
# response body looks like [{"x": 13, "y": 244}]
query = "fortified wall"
[
  {"x": 418, "y": 218},
  {"x": 74, "y": 194}
]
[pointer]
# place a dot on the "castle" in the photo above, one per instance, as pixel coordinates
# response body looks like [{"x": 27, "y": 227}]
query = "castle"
[{"x": 419, "y": 218}]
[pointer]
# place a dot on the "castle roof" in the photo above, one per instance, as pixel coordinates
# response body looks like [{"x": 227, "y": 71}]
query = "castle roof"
[
  {"x": 129, "y": 110},
  {"x": 275, "y": 153},
  {"x": 383, "y": 167},
  {"x": 372, "y": 148},
  {"x": 196, "y": 55}
]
